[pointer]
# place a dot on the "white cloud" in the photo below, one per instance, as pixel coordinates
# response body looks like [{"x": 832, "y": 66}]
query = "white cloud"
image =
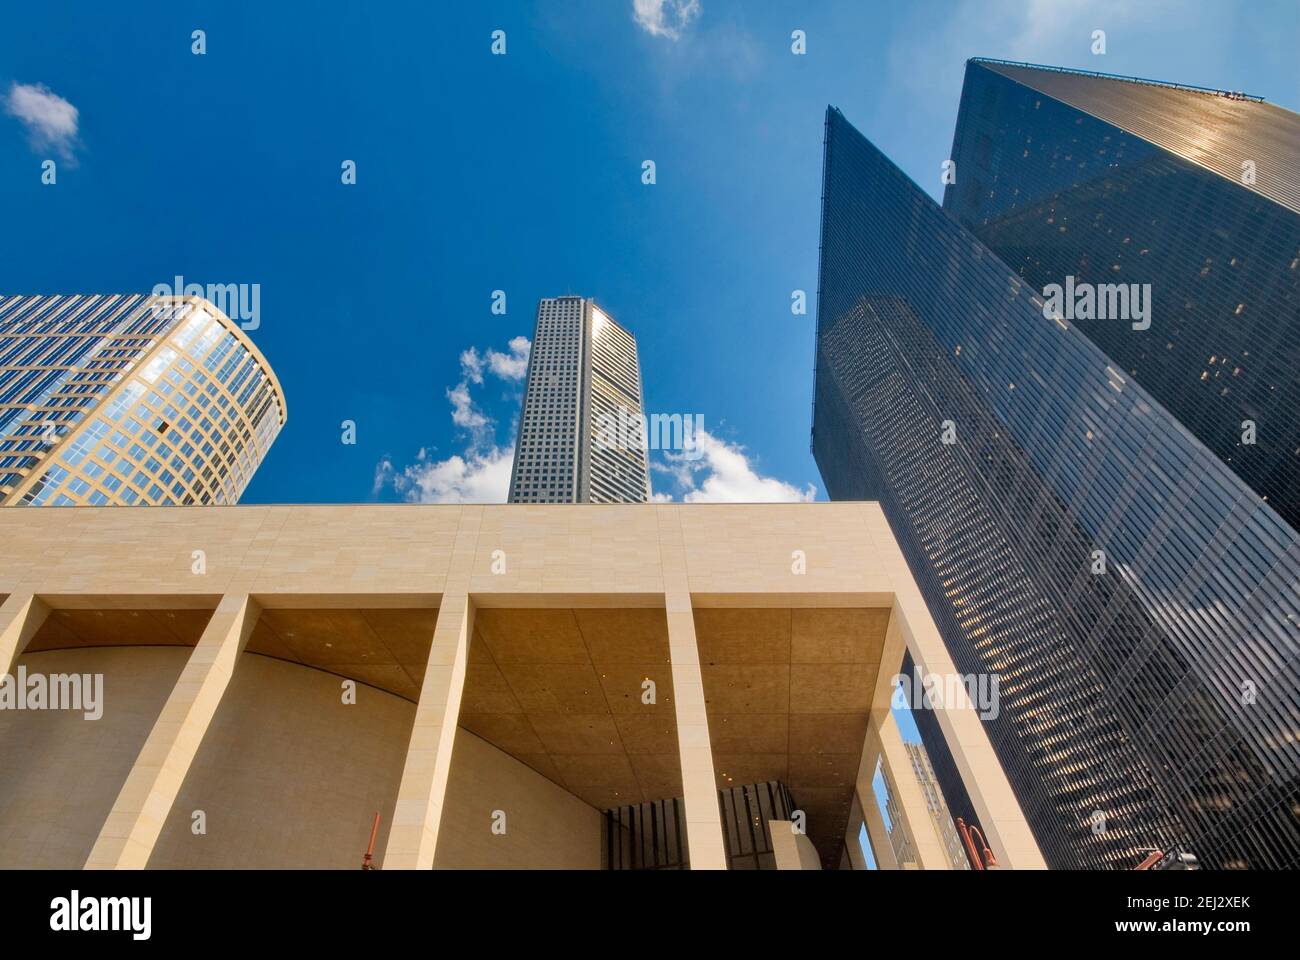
[
  {"x": 471, "y": 365},
  {"x": 50, "y": 120},
  {"x": 476, "y": 477},
  {"x": 481, "y": 473},
  {"x": 463, "y": 412},
  {"x": 665, "y": 18},
  {"x": 721, "y": 473},
  {"x": 512, "y": 365},
  {"x": 715, "y": 471},
  {"x": 383, "y": 475}
]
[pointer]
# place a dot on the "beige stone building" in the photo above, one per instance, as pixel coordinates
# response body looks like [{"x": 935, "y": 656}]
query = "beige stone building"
[{"x": 511, "y": 686}]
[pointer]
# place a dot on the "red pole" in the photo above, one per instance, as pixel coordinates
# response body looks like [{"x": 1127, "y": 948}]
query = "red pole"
[
  {"x": 368, "y": 861},
  {"x": 989, "y": 860},
  {"x": 1152, "y": 858},
  {"x": 975, "y": 860}
]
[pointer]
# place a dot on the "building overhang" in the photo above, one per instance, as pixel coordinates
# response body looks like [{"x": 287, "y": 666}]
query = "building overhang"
[{"x": 772, "y": 633}]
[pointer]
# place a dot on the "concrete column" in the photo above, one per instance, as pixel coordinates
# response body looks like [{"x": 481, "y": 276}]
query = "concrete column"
[
  {"x": 413, "y": 837},
  {"x": 881, "y": 847},
  {"x": 910, "y": 801},
  {"x": 1000, "y": 818},
  {"x": 21, "y": 615},
  {"x": 790, "y": 850},
  {"x": 911, "y": 628},
  {"x": 857, "y": 860},
  {"x": 127, "y": 839},
  {"x": 699, "y": 782},
  {"x": 705, "y": 842}
]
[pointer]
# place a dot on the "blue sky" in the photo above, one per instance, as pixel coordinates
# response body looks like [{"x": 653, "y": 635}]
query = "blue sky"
[{"x": 521, "y": 173}]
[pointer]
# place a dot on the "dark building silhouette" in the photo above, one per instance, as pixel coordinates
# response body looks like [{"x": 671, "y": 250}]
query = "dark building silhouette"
[
  {"x": 1195, "y": 192},
  {"x": 1137, "y": 600}
]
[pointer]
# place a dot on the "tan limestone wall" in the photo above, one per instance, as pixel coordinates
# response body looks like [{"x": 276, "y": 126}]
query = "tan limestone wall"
[
  {"x": 59, "y": 772},
  {"x": 546, "y": 826},
  {"x": 288, "y": 775}
]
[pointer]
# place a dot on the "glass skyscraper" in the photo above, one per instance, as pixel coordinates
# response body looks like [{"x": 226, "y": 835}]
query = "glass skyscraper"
[
  {"x": 1136, "y": 598},
  {"x": 130, "y": 400},
  {"x": 1194, "y": 192},
  {"x": 581, "y": 436}
]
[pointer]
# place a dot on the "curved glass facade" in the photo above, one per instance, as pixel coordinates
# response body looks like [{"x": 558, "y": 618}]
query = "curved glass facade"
[
  {"x": 1149, "y": 700},
  {"x": 130, "y": 400}
]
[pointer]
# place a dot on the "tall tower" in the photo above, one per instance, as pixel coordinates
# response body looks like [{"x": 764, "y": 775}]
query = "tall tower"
[
  {"x": 1108, "y": 183},
  {"x": 937, "y": 806},
  {"x": 1131, "y": 591},
  {"x": 581, "y": 436},
  {"x": 125, "y": 400}
]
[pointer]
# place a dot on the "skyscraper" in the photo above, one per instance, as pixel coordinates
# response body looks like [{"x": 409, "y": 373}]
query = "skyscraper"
[
  {"x": 934, "y": 802},
  {"x": 130, "y": 400},
  {"x": 1135, "y": 597},
  {"x": 932, "y": 793},
  {"x": 581, "y": 436},
  {"x": 1108, "y": 180}
]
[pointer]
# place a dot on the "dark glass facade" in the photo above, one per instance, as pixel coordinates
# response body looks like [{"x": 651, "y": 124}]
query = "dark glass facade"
[
  {"x": 1149, "y": 700},
  {"x": 1111, "y": 181}
]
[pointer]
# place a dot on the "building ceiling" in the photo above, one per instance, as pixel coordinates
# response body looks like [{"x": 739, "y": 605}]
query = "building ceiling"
[
  {"x": 65, "y": 629},
  {"x": 561, "y": 690},
  {"x": 386, "y": 648},
  {"x": 788, "y": 691},
  {"x": 788, "y": 694}
]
